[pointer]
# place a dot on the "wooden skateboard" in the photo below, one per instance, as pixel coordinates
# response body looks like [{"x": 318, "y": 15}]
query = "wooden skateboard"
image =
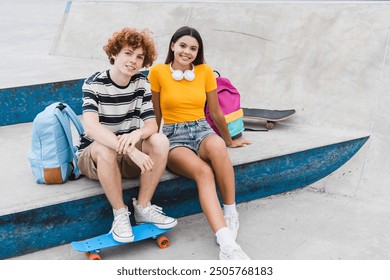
[
  {"x": 93, "y": 246},
  {"x": 270, "y": 116}
]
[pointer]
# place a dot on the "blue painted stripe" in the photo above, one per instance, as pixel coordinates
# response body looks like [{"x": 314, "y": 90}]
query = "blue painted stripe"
[
  {"x": 67, "y": 8},
  {"x": 41, "y": 228},
  {"x": 22, "y": 104}
]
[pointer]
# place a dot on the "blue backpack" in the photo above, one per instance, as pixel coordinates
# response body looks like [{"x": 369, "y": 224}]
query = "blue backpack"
[{"x": 52, "y": 155}]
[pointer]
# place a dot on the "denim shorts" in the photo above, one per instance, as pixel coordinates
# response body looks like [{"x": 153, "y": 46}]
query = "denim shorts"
[{"x": 187, "y": 134}]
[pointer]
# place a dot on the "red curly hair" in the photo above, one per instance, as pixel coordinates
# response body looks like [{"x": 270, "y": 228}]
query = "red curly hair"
[{"x": 134, "y": 39}]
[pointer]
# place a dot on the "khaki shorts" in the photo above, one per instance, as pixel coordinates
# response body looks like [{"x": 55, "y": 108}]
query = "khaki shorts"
[{"x": 126, "y": 166}]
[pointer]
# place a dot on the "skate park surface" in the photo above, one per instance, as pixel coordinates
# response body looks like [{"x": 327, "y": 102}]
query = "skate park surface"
[{"x": 328, "y": 60}]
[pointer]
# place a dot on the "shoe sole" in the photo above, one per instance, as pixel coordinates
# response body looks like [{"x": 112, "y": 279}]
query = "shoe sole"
[
  {"x": 122, "y": 240},
  {"x": 161, "y": 226}
]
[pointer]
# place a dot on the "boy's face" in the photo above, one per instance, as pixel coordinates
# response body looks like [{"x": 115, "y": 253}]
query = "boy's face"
[{"x": 129, "y": 61}]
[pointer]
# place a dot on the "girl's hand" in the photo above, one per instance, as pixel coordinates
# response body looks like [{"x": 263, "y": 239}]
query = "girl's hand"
[{"x": 236, "y": 143}]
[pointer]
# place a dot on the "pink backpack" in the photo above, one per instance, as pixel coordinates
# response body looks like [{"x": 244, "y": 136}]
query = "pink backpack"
[{"x": 229, "y": 100}]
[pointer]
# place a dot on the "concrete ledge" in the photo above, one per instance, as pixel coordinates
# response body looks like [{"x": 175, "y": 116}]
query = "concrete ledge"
[
  {"x": 35, "y": 217},
  {"x": 18, "y": 180}
]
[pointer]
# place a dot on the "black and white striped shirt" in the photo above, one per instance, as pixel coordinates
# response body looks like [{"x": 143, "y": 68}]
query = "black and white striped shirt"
[{"x": 120, "y": 109}]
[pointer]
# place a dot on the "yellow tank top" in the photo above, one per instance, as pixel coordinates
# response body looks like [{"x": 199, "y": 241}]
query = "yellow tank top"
[{"x": 182, "y": 101}]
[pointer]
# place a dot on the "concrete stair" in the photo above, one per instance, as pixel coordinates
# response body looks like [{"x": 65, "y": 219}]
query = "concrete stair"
[{"x": 34, "y": 217}]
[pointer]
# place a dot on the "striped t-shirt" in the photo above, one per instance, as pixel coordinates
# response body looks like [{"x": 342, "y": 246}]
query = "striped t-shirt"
[{"x": 120, "y": 109}]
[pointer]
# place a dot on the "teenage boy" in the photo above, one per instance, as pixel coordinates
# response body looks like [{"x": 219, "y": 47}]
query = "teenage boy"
[{"x": 122, "y": 139}]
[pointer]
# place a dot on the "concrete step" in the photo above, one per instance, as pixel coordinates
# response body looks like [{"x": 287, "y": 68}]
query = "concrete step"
[{"x": 44, "y": 216}]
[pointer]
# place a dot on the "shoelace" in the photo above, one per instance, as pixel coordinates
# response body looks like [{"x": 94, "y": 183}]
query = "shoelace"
[
  {"x": 239, "y": 253},
  {"x": 118, "y": 219},
  {"x": 232, "y": 219},
  {"x": 235, "y": 252},
  {"x": 155, "y": 211}
]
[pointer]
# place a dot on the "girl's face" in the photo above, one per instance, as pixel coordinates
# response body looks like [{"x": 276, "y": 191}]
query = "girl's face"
[{"x": 185, "y": 50}]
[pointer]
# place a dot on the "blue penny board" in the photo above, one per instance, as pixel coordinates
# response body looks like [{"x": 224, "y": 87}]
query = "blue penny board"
[{"x": 140, "y": 232}]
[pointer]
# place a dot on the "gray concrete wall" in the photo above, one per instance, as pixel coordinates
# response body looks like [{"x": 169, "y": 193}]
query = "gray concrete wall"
[{"x": 316, "y": 58}]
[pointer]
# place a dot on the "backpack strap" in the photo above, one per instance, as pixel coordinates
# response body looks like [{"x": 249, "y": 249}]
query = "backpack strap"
[
  {"x": 73, "y": 117},
  {"x": 63, "y": 107}
]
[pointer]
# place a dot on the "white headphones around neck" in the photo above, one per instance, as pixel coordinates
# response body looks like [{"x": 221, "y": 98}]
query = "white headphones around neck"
[{"x": 178, "y": 75}]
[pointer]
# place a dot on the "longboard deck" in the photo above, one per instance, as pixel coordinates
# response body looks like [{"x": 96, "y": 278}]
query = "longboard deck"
[
  {"x": 141, "y": 232},
  {"x": 267, "y": 115}
]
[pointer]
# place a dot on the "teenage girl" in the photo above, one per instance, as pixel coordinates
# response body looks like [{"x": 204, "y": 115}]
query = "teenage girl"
[{"x": 180, "y": 89}]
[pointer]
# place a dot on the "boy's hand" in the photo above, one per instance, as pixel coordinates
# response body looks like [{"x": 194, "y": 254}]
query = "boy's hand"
[
  {"x": 127, "y": 141},
  {"x": 142, "y": 160}
]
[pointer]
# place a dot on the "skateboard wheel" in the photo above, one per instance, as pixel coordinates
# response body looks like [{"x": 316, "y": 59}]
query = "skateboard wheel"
[
  {"x": 162, "y": 242},
  {"x": 93, "y": 256},
  {"x": 270, "y": 125}
]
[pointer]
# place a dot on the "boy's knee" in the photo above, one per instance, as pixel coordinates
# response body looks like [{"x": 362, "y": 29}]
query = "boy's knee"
[
  {"x": 159, "y": 142},
  {"x": 103, "y": 153}
]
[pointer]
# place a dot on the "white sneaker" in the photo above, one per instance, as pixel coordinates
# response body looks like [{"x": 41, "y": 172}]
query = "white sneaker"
[
  {"x": 233, "y": 224},
  {"x": 121, "y": 228},
  {"x": 233, "y": 253},
  {"x": 152, "y": 214}
]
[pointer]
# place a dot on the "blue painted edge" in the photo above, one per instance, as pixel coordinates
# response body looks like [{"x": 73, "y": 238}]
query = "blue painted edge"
[
  {"x": 37, "y": 229},
  {"x": 22, "y": 104},
  {"x": 68, "y": 5}
]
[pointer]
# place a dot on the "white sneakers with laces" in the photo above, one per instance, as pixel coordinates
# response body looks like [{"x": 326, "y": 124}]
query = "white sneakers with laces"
[
  {"x": 233, "y": 224},
  {"x": 229, "y": 249},
  {"x": 152, "y": 214},
  {"x": 121, "y": 227},
  {"x": 233, "y": 253}
]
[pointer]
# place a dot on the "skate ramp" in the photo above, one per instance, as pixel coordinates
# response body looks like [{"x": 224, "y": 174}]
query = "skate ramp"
[
  {"x": 327, "y": 60},
  {"x": 324, "y": 60}
]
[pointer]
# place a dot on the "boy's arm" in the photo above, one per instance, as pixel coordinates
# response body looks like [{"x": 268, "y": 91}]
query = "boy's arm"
[
  {"x": 97, "y": 132},
  {"x": 149, "y": 128},
  {"x": 127, "y": 141},
  {"x": 106, "y": 137}
]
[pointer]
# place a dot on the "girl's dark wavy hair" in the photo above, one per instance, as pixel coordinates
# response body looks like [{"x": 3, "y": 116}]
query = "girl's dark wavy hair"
[{"x": 186, "y": 31}]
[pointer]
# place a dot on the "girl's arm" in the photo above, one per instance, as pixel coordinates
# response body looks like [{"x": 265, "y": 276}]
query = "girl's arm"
[
  {"x": 156, "y": 107},
  {"x": 220, "y": 122}
]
